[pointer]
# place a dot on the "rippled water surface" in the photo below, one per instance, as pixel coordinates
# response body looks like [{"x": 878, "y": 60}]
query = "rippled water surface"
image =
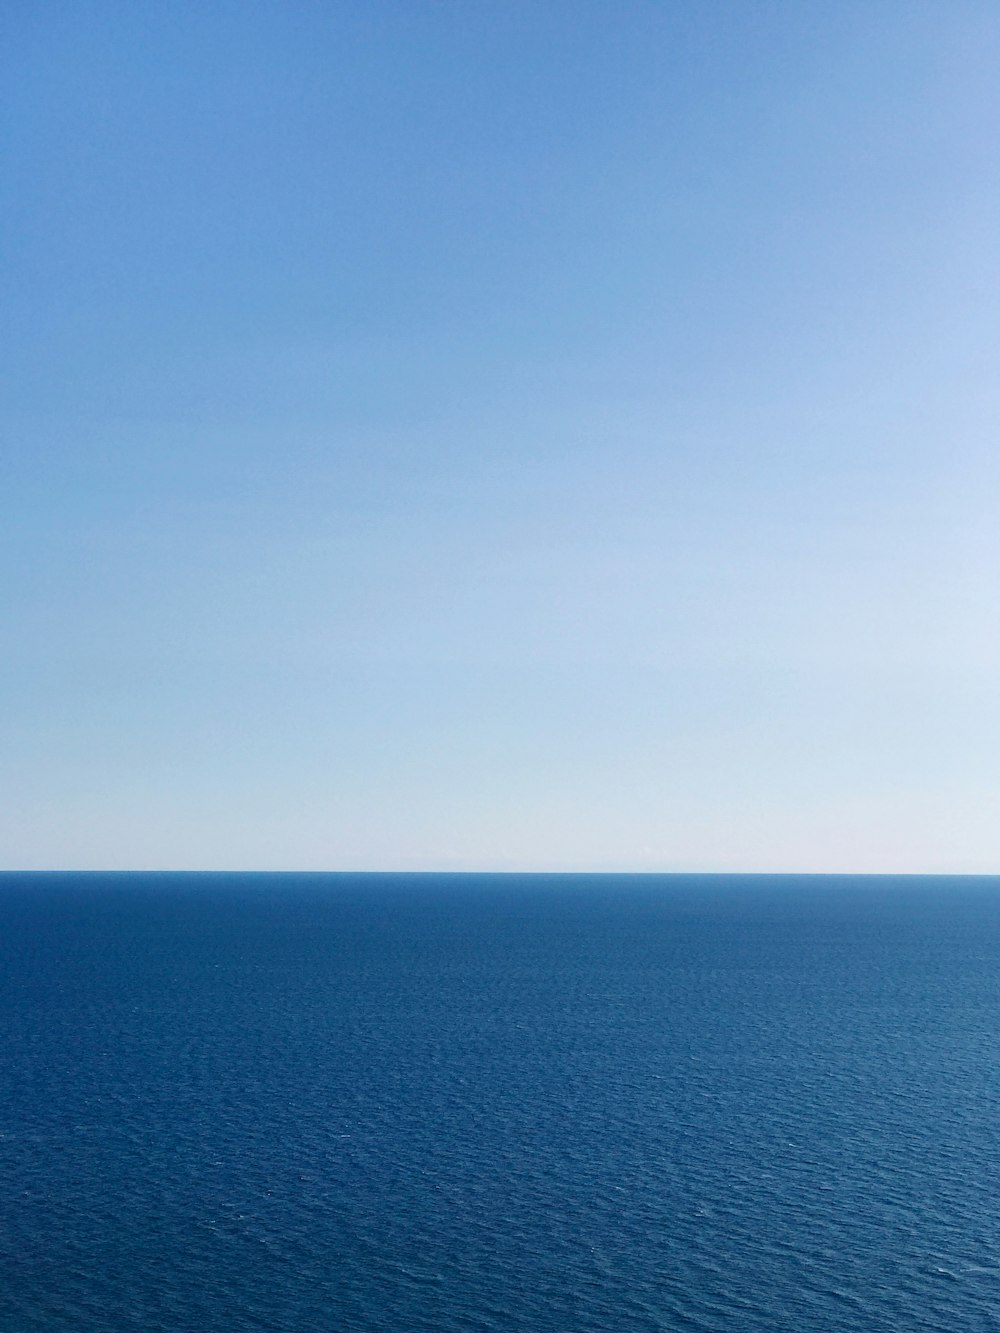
[{"x": 406, "y": 1103}]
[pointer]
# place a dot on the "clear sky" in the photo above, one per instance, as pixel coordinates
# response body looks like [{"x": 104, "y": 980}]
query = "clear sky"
[{"x": 501, "y": 435}]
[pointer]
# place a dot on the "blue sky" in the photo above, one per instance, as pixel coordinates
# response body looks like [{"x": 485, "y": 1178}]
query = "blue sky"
[{"x": 504, "y": 436}]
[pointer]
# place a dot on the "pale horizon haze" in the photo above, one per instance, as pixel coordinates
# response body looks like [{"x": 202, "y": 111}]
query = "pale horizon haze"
[{"x": 500, "y": 436}]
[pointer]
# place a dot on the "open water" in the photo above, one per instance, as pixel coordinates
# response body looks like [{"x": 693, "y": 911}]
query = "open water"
[{"x": 459, "y": 1103}]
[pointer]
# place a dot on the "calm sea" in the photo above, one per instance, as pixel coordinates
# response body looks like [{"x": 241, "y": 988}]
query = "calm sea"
[{"x": 403, "y": 1102}]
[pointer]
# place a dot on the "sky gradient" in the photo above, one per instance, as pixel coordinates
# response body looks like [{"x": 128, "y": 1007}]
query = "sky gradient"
[{"x": 501, "y": 436}]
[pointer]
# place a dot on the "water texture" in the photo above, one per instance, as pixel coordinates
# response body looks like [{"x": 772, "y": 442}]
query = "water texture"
[{"x": 405, "y": 1103}]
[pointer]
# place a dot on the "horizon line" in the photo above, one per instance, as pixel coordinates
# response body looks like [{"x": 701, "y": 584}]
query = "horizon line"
[{"x": 512, "y": 874}]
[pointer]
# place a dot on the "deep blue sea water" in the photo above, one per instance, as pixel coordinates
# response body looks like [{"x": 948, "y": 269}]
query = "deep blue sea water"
[{"x": 403, "y": 1103}]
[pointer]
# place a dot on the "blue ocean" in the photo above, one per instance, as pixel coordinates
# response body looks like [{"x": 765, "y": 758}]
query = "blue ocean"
[{"x": 473, "y": 1102}]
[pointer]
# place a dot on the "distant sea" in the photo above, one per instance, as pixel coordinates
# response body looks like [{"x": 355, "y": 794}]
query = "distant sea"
[{"x": 392, "y": 1103}]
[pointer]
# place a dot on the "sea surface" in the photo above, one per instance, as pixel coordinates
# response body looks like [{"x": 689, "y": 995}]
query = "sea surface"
[{"x": 456, "y": 1103}]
